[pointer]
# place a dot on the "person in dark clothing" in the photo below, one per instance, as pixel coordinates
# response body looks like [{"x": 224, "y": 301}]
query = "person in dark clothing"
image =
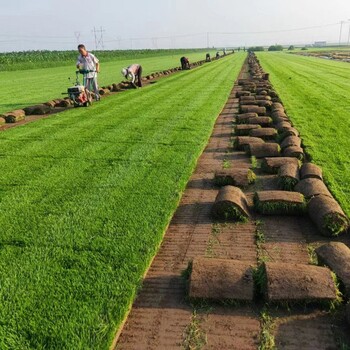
[
  {"x": 207, "y": 57},
  {"x": 185, "y": 63},
  {"x": 217, "y": 54}
]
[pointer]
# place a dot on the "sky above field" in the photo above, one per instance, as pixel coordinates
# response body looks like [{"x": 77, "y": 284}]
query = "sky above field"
[{"x": 61, "y": 24}]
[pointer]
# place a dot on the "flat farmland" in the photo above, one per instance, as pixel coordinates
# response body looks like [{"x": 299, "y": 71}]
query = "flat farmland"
[
  {"x": 85, "y": 197},
  {"x": 21, "y": 88},
  {"x": 316, "y": 94}
]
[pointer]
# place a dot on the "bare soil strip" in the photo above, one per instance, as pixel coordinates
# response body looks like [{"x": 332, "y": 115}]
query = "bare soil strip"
[{"x": 163, "y": 317}]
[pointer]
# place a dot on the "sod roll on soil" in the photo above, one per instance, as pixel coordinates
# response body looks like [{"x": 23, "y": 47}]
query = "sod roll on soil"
[
  {"x": 312, "y": 187},
  {"x": 279, "y": 203},
  {"x": 299, "y": 283},
  {"x": 291, "y": 141},
  {"x": 264, "y": 150},
  {"x": 221, "y": 279},
  {"x": 253, "y": 109},
  {"x": 2, "y": 121},
  {"x": 244, "y": 129},
  {"x": 328, "y": 216},
  {"x": 243, "y": 118},
  {"x": 294, "y": 151},
  {"x": 37, "y": 110},
  {"x": 263, "y": 121},
  {"x": 272, "y": 165},
  {"x": 264, "y": 133},
  {"x": 241, "y": 142},
  {"x": 234, "y": 177},
  {"x": 288, "y": 176},
  {"x": 230, "y": 204},
  {"x": 310, "y": 170},
  {"x": 336, "y": 256},
  {"x": 14, "y": 116}
]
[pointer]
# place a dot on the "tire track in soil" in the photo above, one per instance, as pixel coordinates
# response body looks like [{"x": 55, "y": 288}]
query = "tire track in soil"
[{"x": 161, "y": 315}]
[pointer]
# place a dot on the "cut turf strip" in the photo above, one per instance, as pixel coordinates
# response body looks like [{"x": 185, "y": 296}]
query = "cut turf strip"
[
  {"x": 14, "y": 116},
  {"x": 234, "y": 177},
  {"x": 312, "y": 187},
  {"x": 264, "y": 133},
  {"x": 253, "y": 109},
  {"x": 264, "y": 150},
  {"x": 288, "y": 176},
  {"x": 310, "y": 170},
  {"x": 220, "y": 279},
  {"x": 230, "y": 204},
  {"x": 294, "y": 151},
  {"x": 327, "y": 214},
  {"x": 279, "y": 203},
  {"x": 291, "y": 141},
  {"x": 242, "y": 142},
  {"x": 299, "y": 283},
  {"x": 243, "y": 118},
  {"x": 272, "y": 165},
  {"x": 336, "y": 256},
  {"x": 263, "y": 121},
  {"x": 244, "y": 129}
]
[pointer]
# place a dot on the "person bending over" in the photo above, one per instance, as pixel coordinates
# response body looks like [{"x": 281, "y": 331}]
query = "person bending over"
[
  {"x": 88, "y": 62},
  {"x": 134, "y": 73},
  {"x": 185, "y": 63}
]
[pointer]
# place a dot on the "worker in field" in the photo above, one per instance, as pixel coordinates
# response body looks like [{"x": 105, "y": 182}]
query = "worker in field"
[
  {"x": 217, "y": 55},
  {"x": 185, "y": 63},
  {"x": 134, "y": 74},
  {"x": 89, "y": 65},
  {"x": 207, "y": 57}
]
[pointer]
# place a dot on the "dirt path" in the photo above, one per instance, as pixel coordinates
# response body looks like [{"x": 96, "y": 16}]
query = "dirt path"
[{"x": 162, "y": 316}]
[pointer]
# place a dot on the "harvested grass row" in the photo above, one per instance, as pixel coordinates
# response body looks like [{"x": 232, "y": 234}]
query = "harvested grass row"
[
  {"x": 279, "y": 203},
  {"x": 234, "y": 177}
]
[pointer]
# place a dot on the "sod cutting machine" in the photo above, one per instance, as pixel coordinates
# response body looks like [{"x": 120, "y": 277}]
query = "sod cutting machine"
[{"x": 79, "y": 94}]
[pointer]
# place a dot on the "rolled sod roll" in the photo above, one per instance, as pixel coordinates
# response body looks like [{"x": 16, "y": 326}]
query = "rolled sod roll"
[
  {"x": 294, "y": 151},
  {"x": 291, "y": 141},
  {"x": 2, "y": 121},
  {"x": 253, "y": 109},
  {"x": 282, "y": 126},
  {"x": 299, "y": 282},
  {"x": 288, "y": 176},
  {"x": 104, "y": 92},
  {"x": 241, "y": 142},
  {"x": 259, "y": 150},
  {"x": 264, "y": 103},
  {"x": 247, "y": 98},
  {"x": 50, "y": 104},
  {"x": 263, "y": 97},
  {"x": 336, "y": 256},
  {"x": 243, "y": 93},
  {"x": 279, "y": 203},
  {"x": 272, "y": 165},
  {"x": 263, "y": 121},
  {"x": 14, "y": 116},
  {"x": 234, "y": 177},
  {"x": 277, "y": 106},
  {"x": 272, "y": 93},
  {"x": 288, "y": 132},
  {"x": 244, "y": 129},
  {"x": 280, "y": 120},
  {"x": 310, "y": 170},
  {"x": 279, "y": 114},
  {"x": 261, "y": 92},
  {"x": 328, "y": 216},
  {"x": 37, "y": 109},
  {"x": 312, "y": 187},
  {"x": 230, "y": 204},
  {"x": 243, "y": 118},
  {"x": 221, "y": 279},
  {"x": 264, "y": 133},
  {"x": 62, "y": 103}
]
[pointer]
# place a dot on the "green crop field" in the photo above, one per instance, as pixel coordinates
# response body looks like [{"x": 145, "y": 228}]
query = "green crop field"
[
  {"x": 316, "y": 93},
  {"x": 22, "y": 88},
  {"x": 85, "y": 197}
]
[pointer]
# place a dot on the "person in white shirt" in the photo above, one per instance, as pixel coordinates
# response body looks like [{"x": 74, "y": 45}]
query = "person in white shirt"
[
  {"x": 133, "y": 72},
  {"x": 88, "y": 62}
]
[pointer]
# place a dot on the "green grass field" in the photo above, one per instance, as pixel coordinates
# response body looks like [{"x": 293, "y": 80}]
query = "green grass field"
[
  {"x": 85, "y": 197},
  {"x": 27, "y": 87},
  {"x": 316, "y": 94}
]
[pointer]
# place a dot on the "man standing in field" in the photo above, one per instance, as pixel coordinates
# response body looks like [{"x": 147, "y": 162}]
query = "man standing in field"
[
  {"x": 88, "y": 62},
  {"x": 132, "y": 72}
]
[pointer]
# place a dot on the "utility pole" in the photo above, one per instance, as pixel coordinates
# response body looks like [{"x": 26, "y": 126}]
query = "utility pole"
[
  {"x": 341, "y": 28},
  {"x": 77, "y": 36},
  {"x": 98, "y": 34}
]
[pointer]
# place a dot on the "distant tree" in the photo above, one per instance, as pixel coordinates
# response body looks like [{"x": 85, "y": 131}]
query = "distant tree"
[
  {"x": 255, "y": 48},
  {"x": 304, "y": 48},
  {"x": 275, "y": 48},
  {"x": 291, "y": 47}
]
